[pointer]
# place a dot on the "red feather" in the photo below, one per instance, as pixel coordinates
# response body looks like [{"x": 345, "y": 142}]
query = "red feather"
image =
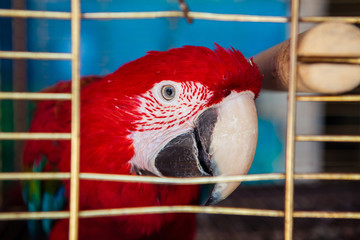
[{"x": 108, "y": 112}]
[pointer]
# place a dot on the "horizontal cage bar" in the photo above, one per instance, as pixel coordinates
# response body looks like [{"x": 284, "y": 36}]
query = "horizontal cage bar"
[
  {"x": 34, "y": 14},
  {"x": 327, "y": 176},
  {"x": 182, "y": 209},
  {"x": 343, "y": 98},
  {"x": 162, "y": 14},
  {"x": 34, "y": 136},
  {"x": 320, "y": 19},
  {"x": 35, "y": 96},
  {"x": 35, "y": 55},
  {"x": 195, "y": 15},
  {"x": 143, "y": 210},
  {"x": 327, "y": 138},
  {"x": 34, "y": 175},
  {"x": 177, "y": 209},
  {"x": 4, "y": 216},
  {"x": 323, "y": 214},
  {"x": 143, "y": 179},
  {"x": 167, "y": 180},
  {"x": 329, "y": 59},
  {"x": 139, "y": 15},
  {"x": 198, "y": 180}
]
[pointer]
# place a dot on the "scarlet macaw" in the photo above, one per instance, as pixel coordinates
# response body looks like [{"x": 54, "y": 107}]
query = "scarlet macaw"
[{"x": 185, "y": 112}]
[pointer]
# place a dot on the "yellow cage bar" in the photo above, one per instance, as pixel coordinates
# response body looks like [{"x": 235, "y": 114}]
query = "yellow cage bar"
[
  {"x": 75, "y": 120},
  {"x": 291, "y": 118},
  {"x": 161, "y": 14},
  {"x": 34, "y": 136},
  {"x": 34, "y": 96},
  {"x": 167, "y": 180},
  {"x": 73, "y": 214},
  {"x": 35, "y": 55}
]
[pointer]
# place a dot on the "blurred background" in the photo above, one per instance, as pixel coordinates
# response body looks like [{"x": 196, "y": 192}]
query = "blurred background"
[{"x": 107, "y": 44}]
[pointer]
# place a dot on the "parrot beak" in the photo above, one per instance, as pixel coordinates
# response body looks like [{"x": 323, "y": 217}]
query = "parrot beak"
[
  {"x": 222, "y": 143},
  {"x": 234, "y": 140}
]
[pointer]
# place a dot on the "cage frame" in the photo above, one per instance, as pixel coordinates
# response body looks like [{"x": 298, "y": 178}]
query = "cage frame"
[{"x": 75, "y": 16}]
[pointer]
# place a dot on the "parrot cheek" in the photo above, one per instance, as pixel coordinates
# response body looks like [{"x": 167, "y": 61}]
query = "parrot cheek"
[{"x": 234, "y": 140}]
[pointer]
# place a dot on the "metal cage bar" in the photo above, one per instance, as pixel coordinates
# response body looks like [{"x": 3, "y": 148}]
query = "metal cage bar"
[
  {"x": 73, "y": 214},
  {"x": 143, "y": 210},
  {"x": 34, "y": 96},
  {"x": 327, "y": 138},
  {"x": 328, "y": 59},
  {"x": 178, "y": 209},
  {"x": 345, "y": 98},
  {"x": 168, "y": 180},
  {"x": 35, "y": 55},
  {"x": 34, "y": 136},
  {"x": 162, "y": 14},
  {"x": 75, "y": 120},
  {"x": 291, "y": 120}
]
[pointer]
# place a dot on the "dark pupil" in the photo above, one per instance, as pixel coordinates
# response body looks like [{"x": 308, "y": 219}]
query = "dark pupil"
[{"x": 169, "y": 91}]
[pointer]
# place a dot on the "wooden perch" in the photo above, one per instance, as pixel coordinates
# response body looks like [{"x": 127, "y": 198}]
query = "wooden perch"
[{"x": 331, "y": 40}]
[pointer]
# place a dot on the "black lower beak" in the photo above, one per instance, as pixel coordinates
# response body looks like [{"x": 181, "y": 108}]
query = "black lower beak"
[
  {"x": 183, "y": 156},
  {"x": 187, "y": 155}
]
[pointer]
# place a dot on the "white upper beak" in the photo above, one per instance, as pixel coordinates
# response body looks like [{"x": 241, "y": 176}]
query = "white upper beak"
[{"x": 234, "y": 141}]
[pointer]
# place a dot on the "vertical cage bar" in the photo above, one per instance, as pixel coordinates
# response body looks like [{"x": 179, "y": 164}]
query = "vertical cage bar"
[
  {"x": 291, "y": 117},
  {"x": 75, "y": 119}
]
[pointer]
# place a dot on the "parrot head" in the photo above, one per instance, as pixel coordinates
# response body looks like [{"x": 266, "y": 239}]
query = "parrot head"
[{"x": 194, "y": 113}]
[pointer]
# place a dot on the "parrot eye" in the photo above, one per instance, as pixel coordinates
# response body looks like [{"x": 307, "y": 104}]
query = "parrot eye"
[{"x": 168, "y": 92}]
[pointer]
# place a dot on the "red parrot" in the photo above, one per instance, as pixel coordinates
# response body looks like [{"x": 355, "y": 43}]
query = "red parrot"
[{"x": 185, "y": 112}]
